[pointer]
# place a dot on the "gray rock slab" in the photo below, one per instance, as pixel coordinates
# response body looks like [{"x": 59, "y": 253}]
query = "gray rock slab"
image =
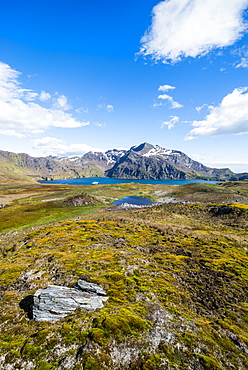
[
  {"x": 56, "y": 302},
  {"x": 90, "y": 287}
]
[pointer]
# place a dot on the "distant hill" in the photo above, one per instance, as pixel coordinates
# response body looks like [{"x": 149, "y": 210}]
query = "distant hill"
[
  {"x": 48, "y": 168},
  {"x": 144, "y": 161}
]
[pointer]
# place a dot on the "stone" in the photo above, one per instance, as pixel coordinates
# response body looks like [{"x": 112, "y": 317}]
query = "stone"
[
  {"x": 56, "y": 302},
  {"x": 90, "y": 287}
]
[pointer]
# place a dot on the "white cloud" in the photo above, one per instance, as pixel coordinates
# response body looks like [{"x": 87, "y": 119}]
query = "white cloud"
[
  {"x": 10, "y": 87},
  {"x": 229, "y": 117},
  {"x": 82, "y": 110},
  {"x": 183, "y": 28},
  {"x": 174, "y": 104},
  {"x": 61, "y": 103},
  {"x": 171, "y": 123},
  {"x": 166, "y": 88},
  {"x": 108, "y": 107},
  {"x": 200, "y": 108},
  {"x": 44, "y": 96},
  {"x": 20, "y": 116},
  {"x": 53, "y": 146},
  {"x": 98, "y": 124},
  {"x": 30, "y": 96},
  {"x": 242, "y": 53},
  {"x": 11, "y": 133},
  {"x": 165, "y": 97},
  {"x": 243, "y": 63}
]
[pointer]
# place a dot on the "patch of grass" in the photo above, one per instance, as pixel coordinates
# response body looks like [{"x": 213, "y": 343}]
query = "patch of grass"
[{"x": 19, "y": 217}]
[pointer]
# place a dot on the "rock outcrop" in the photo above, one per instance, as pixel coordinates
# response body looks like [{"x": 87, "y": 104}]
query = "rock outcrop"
[
  {"x": 81, "y": 200},
  {"x": 56, "y": 302}
]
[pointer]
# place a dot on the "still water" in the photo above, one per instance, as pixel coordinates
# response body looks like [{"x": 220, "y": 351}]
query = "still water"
[
  {"x": 133, "y": 199},
  {"x": 106, "y": 180}
]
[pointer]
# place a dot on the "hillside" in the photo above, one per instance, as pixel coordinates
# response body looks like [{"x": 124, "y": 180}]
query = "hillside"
[
  {"x": 9, "y": 173},
  {"x": 175, "y": 276}
]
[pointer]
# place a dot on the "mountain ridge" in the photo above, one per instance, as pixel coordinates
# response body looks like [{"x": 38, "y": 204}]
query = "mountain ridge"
[{"x": 143, "y": 161}]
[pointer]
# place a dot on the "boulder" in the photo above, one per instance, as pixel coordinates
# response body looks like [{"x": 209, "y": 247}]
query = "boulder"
[{"x": 56, "y": 302}]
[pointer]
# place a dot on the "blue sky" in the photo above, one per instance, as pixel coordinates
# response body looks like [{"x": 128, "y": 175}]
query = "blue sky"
[{"x": 95, "y": 75}]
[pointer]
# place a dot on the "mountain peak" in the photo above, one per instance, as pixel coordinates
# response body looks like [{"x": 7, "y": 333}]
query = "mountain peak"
[{"x": 142, "y": 148}]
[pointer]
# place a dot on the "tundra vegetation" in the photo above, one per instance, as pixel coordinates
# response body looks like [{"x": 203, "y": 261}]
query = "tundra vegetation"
[{"x": 175, "y": 274}]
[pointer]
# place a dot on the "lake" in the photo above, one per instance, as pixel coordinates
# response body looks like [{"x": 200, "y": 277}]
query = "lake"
[
  {"x": 109, "y": 181},
  {"x": 133, "y": 199}
]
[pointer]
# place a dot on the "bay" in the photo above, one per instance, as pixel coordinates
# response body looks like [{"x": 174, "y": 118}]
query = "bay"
[{"x": 109, "y": 181}]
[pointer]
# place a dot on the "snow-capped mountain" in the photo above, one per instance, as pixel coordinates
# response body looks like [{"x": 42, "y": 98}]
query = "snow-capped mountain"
[
  {"x": 144, "y": 161},
  {"x": 147, "y": 161},
  {"x": 104, "y": 160}
]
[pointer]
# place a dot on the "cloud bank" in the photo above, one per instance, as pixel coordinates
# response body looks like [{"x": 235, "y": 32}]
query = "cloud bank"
[
  {"x": 20, "y": 116},
  {"x": 191, "y": 28},
  {"x": 53, "y": 146},
  {"x": 229, "y": 117}
]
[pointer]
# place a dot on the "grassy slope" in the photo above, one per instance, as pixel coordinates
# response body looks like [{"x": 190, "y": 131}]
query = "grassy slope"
[
  {"x": 221, "y": 192},
  {"x": 10, "y": 174},
  {"x": 175, "y": 273}
]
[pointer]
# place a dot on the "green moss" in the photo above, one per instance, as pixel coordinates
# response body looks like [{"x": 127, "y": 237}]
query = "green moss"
[
  {"x": 92, "y": 364},
  {"x": 209, "y": 362},
  {"x": 29, "y": 350},
  {"x": 115, "y": 276},
  {"x": 46, "y": 366},
  {"x": 118, "y": 326},
  {"x": 152, "y": 362}
]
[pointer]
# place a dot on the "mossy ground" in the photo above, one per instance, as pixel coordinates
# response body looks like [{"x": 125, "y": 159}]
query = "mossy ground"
[{"x": 176, "y": 277}]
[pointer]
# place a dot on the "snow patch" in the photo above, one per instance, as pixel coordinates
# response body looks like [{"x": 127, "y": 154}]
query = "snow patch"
[{"x": 157, "y": 150}]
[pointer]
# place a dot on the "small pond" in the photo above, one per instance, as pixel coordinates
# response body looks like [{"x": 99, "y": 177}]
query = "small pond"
[{"x": 133, "y": 200}]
